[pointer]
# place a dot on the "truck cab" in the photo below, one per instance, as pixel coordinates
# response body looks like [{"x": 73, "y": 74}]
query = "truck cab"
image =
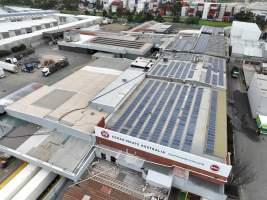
[
  {"x": 11, "y": 61},
  {"x": 235, "y": 72},
  {"x": 45, "y": 71},
  {"x": 261, "y": 121}
]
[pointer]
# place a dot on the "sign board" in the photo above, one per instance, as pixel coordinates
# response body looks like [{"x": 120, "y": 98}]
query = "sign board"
[
  {"x": 180, "y": 172},
  {"x": 186, "y": 158}
]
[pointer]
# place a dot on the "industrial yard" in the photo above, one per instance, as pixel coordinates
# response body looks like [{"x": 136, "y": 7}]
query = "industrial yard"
[
  {"x": 13, "y": 82},
  {"x": 94, "y": 111}
]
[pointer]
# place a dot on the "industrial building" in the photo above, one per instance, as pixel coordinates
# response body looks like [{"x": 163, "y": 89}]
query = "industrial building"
[
  {"x": 207, "y": 40},
  {"x": 115, "y": 118},
  {"x": 191, "y": 68},
  {"x": 257, "y": 95},
  {"x": 246, "y": 43},
  {"x": 122, "y": 46},
  {"x": 30, "y": 31},
  {"x": 152, "y": 27},
  {"x": 123, "y": 129}
]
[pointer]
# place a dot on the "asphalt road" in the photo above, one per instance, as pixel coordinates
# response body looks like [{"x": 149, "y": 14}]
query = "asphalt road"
[
  {"x": 249, "y": 147},
  {"x": 13, "y": 82}
]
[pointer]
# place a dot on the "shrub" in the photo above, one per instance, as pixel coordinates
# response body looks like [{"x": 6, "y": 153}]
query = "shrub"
[
  {"x": 4, "y": 53},
  {"x": 18, "y": 48}
]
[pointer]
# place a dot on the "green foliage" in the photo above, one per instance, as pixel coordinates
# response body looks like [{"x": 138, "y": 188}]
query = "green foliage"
[
  {"x": 44, "y": 4},
  {"x": 104, "y": 13},
  {"x": 18, "y": 48},
  {"x": 245, "y": 16},
  {"x": 261, "y": 22},
  {"x": 214, "y": 23},
  {"x": 192, "y": 20},
  {"x": 4, "y": 53},
  {"x": 159, "y": 18},
  {"x": 70, "y": 4}
]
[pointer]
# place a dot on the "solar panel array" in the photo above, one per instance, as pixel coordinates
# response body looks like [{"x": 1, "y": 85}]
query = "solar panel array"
[
  {"x": 174, "y": 69},
  {"x": 214, "y": 74},
  {"x": 212, "y": 30},
  {"x": 212, "y": 123},
  {"x": 183, "y": 43},
  {"x": 162, "y": 112},
  {"x": 209, "y": 43},
  {"x": 118, "y": 42},
  {"x": 215, "y": 71}
]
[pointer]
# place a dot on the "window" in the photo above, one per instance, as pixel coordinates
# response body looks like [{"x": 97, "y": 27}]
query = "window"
[
  {"x": 113, "y": 159},
  {"x": 103, "y": 156}
]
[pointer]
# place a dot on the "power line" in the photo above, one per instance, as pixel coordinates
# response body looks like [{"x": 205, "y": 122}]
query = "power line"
[
  {"x": 29, "y": 135},
  {"x": 82, "y": 108}
]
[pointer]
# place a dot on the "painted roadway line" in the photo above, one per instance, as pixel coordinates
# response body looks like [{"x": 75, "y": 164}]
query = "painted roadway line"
[{"x": 16, "y": 172}]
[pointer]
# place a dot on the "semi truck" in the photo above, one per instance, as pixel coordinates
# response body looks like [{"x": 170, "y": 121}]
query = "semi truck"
[
  {"x": 53, "y": 67},
  {"x": 9, "y": 67}
]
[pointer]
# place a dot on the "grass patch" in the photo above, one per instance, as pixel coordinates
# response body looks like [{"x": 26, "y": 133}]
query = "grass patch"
[
  {"x": 167, "y": 18},
  {"x": 214, "y": 23}
]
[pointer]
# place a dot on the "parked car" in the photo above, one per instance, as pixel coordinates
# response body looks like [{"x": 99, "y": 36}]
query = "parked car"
[{"x": 235, "y": 72}]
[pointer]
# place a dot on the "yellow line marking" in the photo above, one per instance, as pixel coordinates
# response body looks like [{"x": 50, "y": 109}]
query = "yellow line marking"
[{"x": 15, "y": 173}]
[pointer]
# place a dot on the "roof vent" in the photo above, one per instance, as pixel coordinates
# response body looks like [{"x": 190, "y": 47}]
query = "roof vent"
[
  {"x": 124, "y": 80},
  {"x": 165, "y": 59}
]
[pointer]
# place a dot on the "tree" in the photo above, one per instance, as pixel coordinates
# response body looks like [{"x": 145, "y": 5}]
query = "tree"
[
  {"x": 159, "y": 18},
  {"x": 148, "y": 16},
  {"x": 104, "y": 13},
  {"x": 245, "y": 16},
  {"x": 242, "y": 173},
  {"x": 192, "y": 20},
  {"x": 120, "y": 11},
  {"x": 70, "y": 4},
  {"x": 129, "y": 16},
  {"x": 176, "y": 11},
  {"x": 98, "y": 4},
  {"x": 261, "y": 22}
]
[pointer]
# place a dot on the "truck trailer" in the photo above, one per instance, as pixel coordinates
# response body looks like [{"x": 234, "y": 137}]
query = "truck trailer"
[
  {"x": 9, "y": 67},
  {"x": 51, "y": 68}
]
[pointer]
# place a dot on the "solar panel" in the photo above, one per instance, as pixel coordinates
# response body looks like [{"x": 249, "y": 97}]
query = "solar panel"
[
  {"x": 168, "y": 69},
  {"x": 151, "y": 104},
  {"x": 175, "y": 68},
  {"x": 140, "y": 107},
  {"x": 155, "y": 69},
  {"x": 183, "y": 119},
  {"x": 185, "y": 72},
  {"x": 126, "y": 114},
  {"x": 212, "y": 123},
  {"x": 164, "y": 115},
  {"x": 180, "y": 70},
  {"x": 208, "y": 75},
  {"x": 214, "y": 79},
  {"x": 193, "y": 121},
  {"x": 174, "y": 116},
  {"x": 156, "y": 113},
  {"x": 161, "y": 70}
]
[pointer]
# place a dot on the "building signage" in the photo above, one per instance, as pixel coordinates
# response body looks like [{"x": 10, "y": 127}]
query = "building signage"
[
  {"x": 180, "y": 172},
  {"x": 166, "y": 152}
]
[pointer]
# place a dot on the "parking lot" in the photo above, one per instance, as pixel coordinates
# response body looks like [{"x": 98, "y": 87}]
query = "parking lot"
[
  {"x": 249, "y": 147},
  {"x": 14, "y": 81}
]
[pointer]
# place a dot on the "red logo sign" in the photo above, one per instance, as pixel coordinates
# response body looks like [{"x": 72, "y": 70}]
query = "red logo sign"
[
  {"x": 105, "y": 134},
  {"x": 215, "y": 168}
]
